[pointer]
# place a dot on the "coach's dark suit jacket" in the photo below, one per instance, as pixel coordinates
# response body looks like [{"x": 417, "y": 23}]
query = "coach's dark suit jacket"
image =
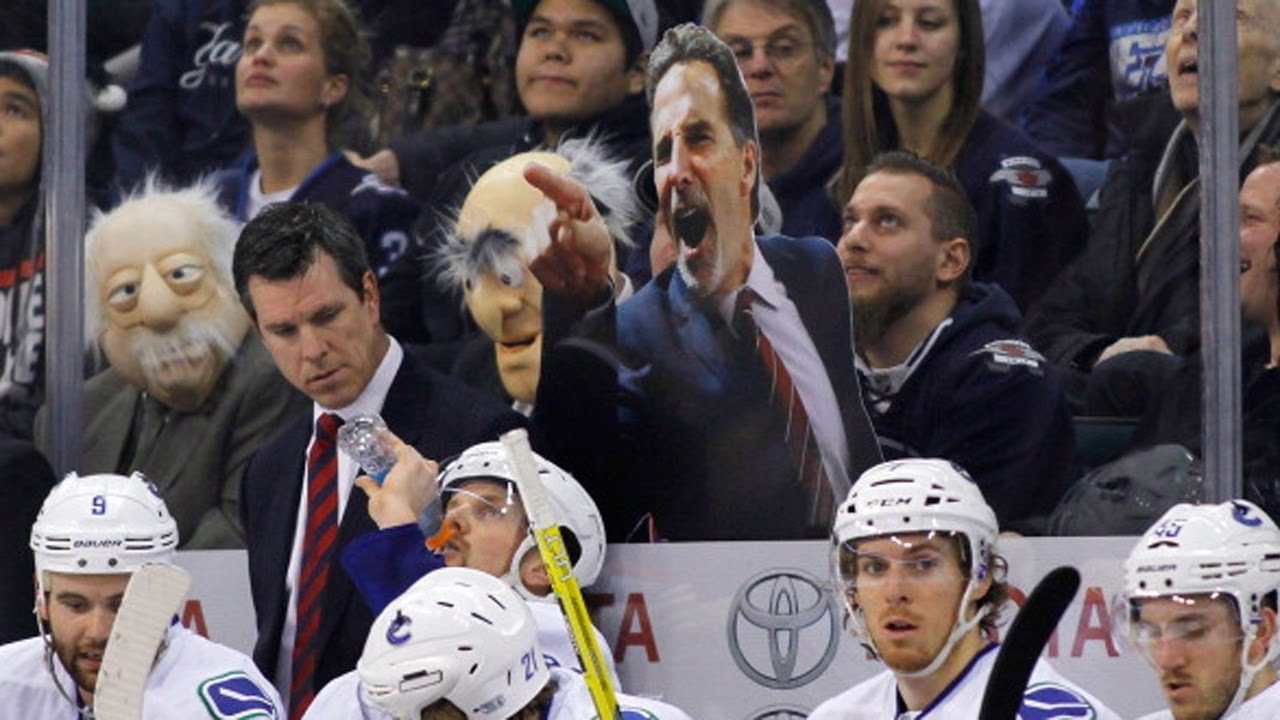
[
  {"x": 679, "y": 426},
  {"x": 432, "y": 412}
]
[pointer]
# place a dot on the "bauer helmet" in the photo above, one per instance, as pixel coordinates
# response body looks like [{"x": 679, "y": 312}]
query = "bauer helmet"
[
  {"x": 1231, "y": 549},
  {"x": 102, "y": 524}
]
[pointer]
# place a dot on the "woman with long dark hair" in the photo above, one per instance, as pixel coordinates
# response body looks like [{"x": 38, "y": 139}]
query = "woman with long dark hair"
[{"x": 914, "y": 82}]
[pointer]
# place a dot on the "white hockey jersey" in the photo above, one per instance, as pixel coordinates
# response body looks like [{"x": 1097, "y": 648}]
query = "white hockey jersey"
[
  {"x": 1263, "y": 706},
  {"x": 342, "y": 697},
  {"x": 193, "y": 678},
  {"x": 1048, "y": 696},
  {"x": 573, "y": 702}
]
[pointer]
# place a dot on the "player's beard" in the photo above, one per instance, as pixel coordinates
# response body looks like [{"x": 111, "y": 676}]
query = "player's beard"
[
  {"x": 68, "y": 655},
  {"x": 1215, "y": 695},
  {"x": 872, "y": 317},
  {"x": 909, "y": 658}
]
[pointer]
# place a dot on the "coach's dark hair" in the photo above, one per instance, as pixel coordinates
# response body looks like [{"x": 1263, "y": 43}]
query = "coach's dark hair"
[
  {"x": 689, "y": 43},
  {"x": 286, "y": 239}
]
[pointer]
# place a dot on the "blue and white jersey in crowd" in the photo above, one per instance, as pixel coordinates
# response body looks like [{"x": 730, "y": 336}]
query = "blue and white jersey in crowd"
[
  {"x": 343, "y": 697},
  {"x": 1263, "y": 706},
  {"x": 193, "y": 678},
  {"x": 1048, "y": 696},
  {"x": 383, "y": 215}
]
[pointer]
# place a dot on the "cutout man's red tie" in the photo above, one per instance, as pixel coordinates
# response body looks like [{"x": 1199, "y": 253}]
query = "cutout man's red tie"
[
  {"x": 317, "y": 549},
  {"x": 806, "y": 457}
]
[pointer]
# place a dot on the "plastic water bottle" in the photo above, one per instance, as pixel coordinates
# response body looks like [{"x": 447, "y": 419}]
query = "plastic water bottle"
[{"x": 365, "y": 439}]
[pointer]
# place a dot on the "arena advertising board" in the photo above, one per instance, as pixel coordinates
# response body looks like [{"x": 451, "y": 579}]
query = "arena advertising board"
[{"x": 751, "y": 631}]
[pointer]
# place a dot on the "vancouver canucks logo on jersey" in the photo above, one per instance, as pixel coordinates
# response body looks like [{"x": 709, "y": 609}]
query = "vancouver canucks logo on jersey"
[
  {"x": 235, "y": 696},
  {"x": 1050, "y": 701}
]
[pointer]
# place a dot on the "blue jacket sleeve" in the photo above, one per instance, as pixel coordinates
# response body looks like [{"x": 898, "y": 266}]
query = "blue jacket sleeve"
[{"x": 383, "y": 564}]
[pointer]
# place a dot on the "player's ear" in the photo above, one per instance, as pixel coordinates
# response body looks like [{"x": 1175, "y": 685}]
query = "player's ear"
[
  {"x": 533, "y": 574},
  {"x": 954, "y": 257},
  {"x": 1265, "y": 637}
]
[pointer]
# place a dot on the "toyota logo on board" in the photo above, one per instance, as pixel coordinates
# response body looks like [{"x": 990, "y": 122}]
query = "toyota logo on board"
[{"x": 783, "y": 630}]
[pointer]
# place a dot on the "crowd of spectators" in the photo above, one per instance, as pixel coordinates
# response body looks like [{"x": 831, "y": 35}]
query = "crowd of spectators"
[{"x": 931, "y": 179}]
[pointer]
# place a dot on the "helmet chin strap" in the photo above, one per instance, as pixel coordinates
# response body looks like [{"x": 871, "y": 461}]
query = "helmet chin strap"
[
  {"x": 1249, "y": 670},
  {"x": 958, "y": 630},
  {"x": 961, "y": 628},
  {"x": 50, "y": 658}
]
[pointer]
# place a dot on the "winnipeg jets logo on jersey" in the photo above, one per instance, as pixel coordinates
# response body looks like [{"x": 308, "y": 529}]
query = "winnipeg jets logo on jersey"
[
  {"x": 1003, "y": 355},
  {"x": 234, "y": 696},
  {"x": 1025, "y": 176},
  {"x": 1050, "y": 701}
]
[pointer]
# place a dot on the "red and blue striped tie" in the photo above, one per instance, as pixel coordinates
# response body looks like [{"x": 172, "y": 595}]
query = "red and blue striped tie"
[
  {"x": 317, "y": 549},
  {"x": 802, "y": 444}
]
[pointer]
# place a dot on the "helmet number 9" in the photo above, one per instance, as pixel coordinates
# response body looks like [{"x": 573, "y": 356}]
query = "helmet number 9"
[{"x": 99, "y": 505}]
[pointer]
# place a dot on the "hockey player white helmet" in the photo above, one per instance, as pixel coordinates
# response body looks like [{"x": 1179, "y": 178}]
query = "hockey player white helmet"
[
  {"x": 1231, "y": 549},
  {"x": 102, "y": 524},
  {"x": 573, "y": 506},
  {"x": 457, "y": 634},
  {"x": 914, "y": 496}
]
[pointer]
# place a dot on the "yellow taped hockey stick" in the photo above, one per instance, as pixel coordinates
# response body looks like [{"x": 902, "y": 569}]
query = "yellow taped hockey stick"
[{"x": 546, "y": 532}]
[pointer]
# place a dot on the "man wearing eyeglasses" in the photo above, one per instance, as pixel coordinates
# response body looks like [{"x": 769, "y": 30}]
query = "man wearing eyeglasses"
[
  {"x": 1210, "y": 635},
  {"x": 786, "y": 52}
]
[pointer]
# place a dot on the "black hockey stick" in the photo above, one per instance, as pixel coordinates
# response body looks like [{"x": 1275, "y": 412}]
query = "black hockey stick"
[{"x": 1022, "y": 645}]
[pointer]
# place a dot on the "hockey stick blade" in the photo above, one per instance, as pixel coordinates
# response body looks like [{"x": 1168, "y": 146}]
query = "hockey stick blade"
[
  {"x": 154, "y": 594},
  {"x": 1028, "y": 634}
]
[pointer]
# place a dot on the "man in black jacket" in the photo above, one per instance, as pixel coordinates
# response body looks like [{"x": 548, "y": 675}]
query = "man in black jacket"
[
  {"x": 943, "y": 370},
  {"x": 579, "y": 71},
  {"x": 1131, "y": 298}
]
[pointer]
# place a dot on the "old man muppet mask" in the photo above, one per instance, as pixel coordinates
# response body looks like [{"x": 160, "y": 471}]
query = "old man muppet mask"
[
  {"x": 500, "y": 226},
  {"x": 159, "y": 288}
]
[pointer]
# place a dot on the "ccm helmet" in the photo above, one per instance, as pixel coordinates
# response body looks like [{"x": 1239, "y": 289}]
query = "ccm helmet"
[
  {"x": 457, "y": 634},
  {"x": 102, "y": 524},
  {"x": 573, "y": 506},
  {"x": 912, "y": 496},
  {"x": 1230, "y": 549}
]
